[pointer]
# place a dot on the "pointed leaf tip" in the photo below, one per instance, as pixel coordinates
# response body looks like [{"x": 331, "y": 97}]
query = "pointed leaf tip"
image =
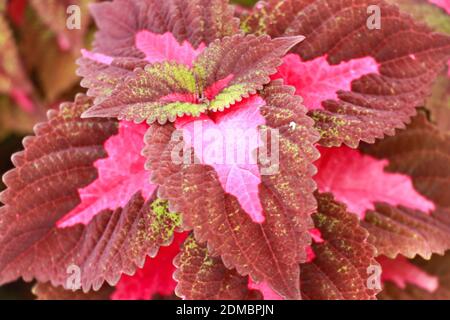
[{"x": 290, "y": 42}]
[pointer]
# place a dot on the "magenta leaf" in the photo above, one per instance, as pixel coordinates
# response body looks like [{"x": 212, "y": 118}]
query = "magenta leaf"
[
  {"x": 317, "y": 81},
  {"x": 421, "y": 152},
  {"x": 162, "y": 47},
  {"x": 402, "y": 272},
  {"x": 360, "y": 181},
  {"x": 444, "y": 4},
  {"x": 437, "y": 268},
  {"x": 121, "y": 175},
  {"x": 237, "y": 128},
  {"x": 155, "y": 277}
]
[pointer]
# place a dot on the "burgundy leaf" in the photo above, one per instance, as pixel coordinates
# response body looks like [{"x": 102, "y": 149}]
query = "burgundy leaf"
[
  {"x": 247, "y": 60},
  {"x": 197, "y": 21},
  {"x": 407, "y": 232},
  {"x": 159, "y": 92},
  {"x": 43, "y": 188},
  {"x": 128, "y": 30},
  {"x": 293, "y": 183},
  {"x": 408, "y": 54},
  {"x": 340, "y": 267},
  {"x": 423, "y": 153},
  {"x": 216, "y": 217},
  {"x": 202, "y": 277},
  {"x": 111, "y": 244},
  {"x": 101, "y": 78}
]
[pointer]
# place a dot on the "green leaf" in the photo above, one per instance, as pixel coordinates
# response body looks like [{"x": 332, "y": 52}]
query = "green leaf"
[{"x": 155, "y": 93}]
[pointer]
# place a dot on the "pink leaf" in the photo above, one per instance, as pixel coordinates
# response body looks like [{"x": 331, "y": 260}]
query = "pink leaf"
[
  {"x": 444, "y": 4},
  {"x": 154, "y": 278},
  {"x": 120, "y": 176},
  {"x": 22, "y": 99},
  {"x": 402, "y": 272},
  {"x": 318, "y": 81},
  {"x": 159, "y": 48},
  {"x": 226, "y": 143},
  {"x": 360, "y": 180},
  {"x": 97, "y": 57}
]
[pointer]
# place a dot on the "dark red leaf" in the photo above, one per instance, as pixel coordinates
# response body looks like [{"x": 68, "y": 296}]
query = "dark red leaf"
[
  {"x": 340, "y": 267},
  {"x": 43, "y": 188},
  {"x": 197, "y": 21},
  {"x": 395, "y": 231},
  {"x": 120, "y": 22},
  {"x": 202, "y": 277},
  {"x": 423, "y": 153}
]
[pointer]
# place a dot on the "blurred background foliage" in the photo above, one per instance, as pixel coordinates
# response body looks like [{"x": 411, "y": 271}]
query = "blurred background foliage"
[{"x": 37, "y": 71}]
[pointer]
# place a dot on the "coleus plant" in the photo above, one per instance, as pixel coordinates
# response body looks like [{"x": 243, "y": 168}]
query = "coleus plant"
[{"x": 98, "y": 188}]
